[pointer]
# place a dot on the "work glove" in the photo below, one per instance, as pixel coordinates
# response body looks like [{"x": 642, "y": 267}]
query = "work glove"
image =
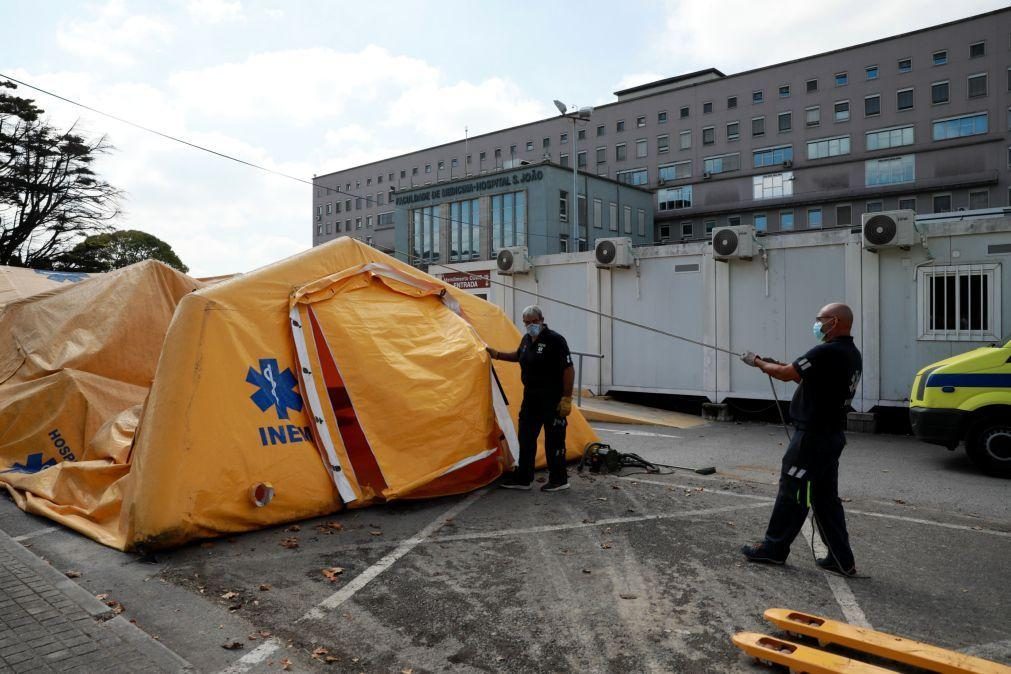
[
  {"x": 565, "y": 407},
  {"x": 749, "y": 358}
]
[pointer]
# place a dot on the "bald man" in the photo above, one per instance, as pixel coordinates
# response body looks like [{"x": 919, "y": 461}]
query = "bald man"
[{"x": 828, "y": 376}]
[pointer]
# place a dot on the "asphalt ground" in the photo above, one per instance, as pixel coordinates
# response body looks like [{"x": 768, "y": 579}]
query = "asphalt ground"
[{"x": 618, "y": 574}]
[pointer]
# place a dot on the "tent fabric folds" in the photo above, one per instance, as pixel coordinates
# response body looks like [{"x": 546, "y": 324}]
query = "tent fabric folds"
[{"x": 145, "y": 409}]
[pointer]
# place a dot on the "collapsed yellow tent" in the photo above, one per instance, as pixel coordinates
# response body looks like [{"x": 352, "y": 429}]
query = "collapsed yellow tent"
[
  {"x": 336, "y": 378},
  {"x": 17, "y": 282}
]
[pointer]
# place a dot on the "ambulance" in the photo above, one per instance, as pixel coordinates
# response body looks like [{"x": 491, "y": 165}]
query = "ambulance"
[{"x": 967, "y": 398}]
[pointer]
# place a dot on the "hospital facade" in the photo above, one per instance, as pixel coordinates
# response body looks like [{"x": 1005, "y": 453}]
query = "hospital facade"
[{"x": 919, "y": 120}]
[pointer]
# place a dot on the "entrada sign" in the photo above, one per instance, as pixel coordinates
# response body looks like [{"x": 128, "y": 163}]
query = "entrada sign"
[
  {"x": 471, "y": 187},
  {"x": 469, "y": 281}
]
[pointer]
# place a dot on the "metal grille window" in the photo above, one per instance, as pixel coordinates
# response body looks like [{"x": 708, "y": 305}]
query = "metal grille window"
[
  {"x": 612, "y": 216},
  {"x": 977, "y": 85},
  {"x": 939, "y": 93},
  {"x": 959, "y": 303},
  {"x": 642, "y": 222},
  {"x": 674, "y": 198},
  {"x": 641, "y": 148},
  {"x": 626, "y": 218}
]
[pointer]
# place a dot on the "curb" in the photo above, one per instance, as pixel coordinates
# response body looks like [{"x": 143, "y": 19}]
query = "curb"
[{"x": 144, "y": 642}]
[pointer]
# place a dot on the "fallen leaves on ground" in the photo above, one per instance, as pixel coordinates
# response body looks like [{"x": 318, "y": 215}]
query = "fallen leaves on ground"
[
  {"x": 264, "y": 587},
  {"x": 291, "y": 542},
  {"x": 586, "y": 571},
  {"x": 230, "y": 595},
  {"x": 233, "y": 645},
  {"x": 605, "y": 546},
  {"x": 332, "y": 572},
  {"x": 207, "y": 544},
  {"x": 265, "y": 633},
  {"x": 330, "y": 527},
  {"x": 116, "y": 607},
  {"x": 286, "y": 665},
  {"x": 376, "y": 533},
  {"x": 73, "y": 574},
  {"x": 294, "y": 527},
  {"x": 629, "y": 596}
]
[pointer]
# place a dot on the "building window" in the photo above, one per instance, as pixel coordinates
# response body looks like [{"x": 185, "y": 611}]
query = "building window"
[
  {"x": 319, "y": 229},
  {"x": 641, "y": 148},
  {"x": 731, "y": 102},
  {"x": 640, "y": 122},
  {"x": 828, "y": 148},
  {"x": 872, "y": 105},
  {"x": 979, "y": 199},
  {"x": 890, "y": 170},
  {"x": 581, "y": 159},
  {"x": 684, "y": 112},
  {"x": 811, "y": 86},
  {"x": 734, "y": 220},
  {"x": 508, "y": 220},
  {"x": 368, "y": 222},
  {"x": 938, "y": 93},
  {"x": 403, "y": 174},
  {"x": 545, "y": 143},
  {"x": 620, "y": 152},
  {"x": 358, "y": 223},
  {"x": 661, "y": 117},
  {"x": 328, "y": 209},
  {"x": 907, "y": 204},
  {"x": 843, "y": 215},
  {"x": 674, "y": 198},
  {"x": 905, "y": 65},
  {"x": 772, "y": 156},
  {"x": 709, "y": 135},
  {"x": 481, "y": 157},
  {"x": 380, "y": 198},
  {"x": 784, "y": 91},
  {"x": 959, "y": 302},
  {"x": 723, "y": 163},
  {"x": 785, "y": 221},
  {"x": 379, "y": 179},
  {"x": 977, "y": 85},
  {"x": 581, "y": 134},
  {"x": 710, "y": 226},
  {"x": 761, "y": 222},
  {"x": 676, "y": 171},
  {"x": 563, "y": 159},
  {"x": 957, "y": 127},
  {"x": 530, "y": 146},
  {"x": 733, "y": 131},
  {"x": 563, "y": 206},
  {"x": 626, "y": 218},
  {"x": 812, "y": 116},
  {"x": 757, "y": 96},
  {"x": 612, "y": 216},
  {"x": 940, "y": 57},
  {"x": 598, "y": 213},
  {"x": 602, "y": 155},
  {"x": 425, "y": 231},
  {"x": 428, "y": 168},
  {"x": 664, "y": 233},
  {"x": 662, "y": 144},
  {"x": 641, "y": 213},
  {"x": 619, "y": 126},
  {"x": 785, "y": 121},
  {"x": 884, "y": 139},
  {"x": 563, "y": 243},
  {"x": 633, "y": 177},
  {"x": 687, "y": 230},
  {"x": 904, "y": 99},
  {"x": 347, "y": 205},
  {"x": 347, "y": 225},
  {"x": 758, "y": 126},
  {"x": 842, "y": 111},
  {"x": 600, "y": 130},
  {"x": 772, "y": 186},
  {"x": 385, "y": 219},
  {"x": 814, "y": 218},
  {"x": 941, "y": 203},
  {"x": 870, "y": 73},
  {"x": 707, "y": 107},
  {"x": 358, "y": 203},
  {"x": 875, "y": 206},
  {"x": 337, "y": 207},
  {"x": 563, "y": 139},
  {"x": 842, "y": 79},
  {"x": 977, "y": 50},
  {"x": 685, "y": 140}
]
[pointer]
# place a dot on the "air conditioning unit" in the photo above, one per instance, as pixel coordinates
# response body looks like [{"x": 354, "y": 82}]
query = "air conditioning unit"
[
  {"x": 737, "y": 241},
  {"x": 889, "y": 229},
  {"x": 513, "y": 261},
  {"x": 706, "y": 175},
  {"x": 615, "y": 252}
]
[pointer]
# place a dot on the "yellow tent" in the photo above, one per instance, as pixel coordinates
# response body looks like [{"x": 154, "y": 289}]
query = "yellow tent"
[
  {"x": 17, "y": 283},
  {"x": 336, "y": 378}
]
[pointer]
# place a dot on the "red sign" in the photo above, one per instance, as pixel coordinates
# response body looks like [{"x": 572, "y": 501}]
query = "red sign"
[{"x": 469, "y": 280}]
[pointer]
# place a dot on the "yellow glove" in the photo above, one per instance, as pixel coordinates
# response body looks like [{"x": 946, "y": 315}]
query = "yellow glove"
[{"x": 565, "y": 407}]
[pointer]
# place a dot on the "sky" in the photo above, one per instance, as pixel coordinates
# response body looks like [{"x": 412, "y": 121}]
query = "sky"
[{"x": 307, "y": 87}]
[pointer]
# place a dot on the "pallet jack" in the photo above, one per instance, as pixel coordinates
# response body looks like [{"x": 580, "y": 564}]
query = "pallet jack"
[{"x": 800, "y": 658}]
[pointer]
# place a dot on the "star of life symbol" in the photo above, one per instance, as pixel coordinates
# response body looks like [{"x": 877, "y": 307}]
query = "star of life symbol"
[
  {"x": 33, "y": 464},
  {"x": 61, "y": 276},
  {"x": 276, "y": 389}
]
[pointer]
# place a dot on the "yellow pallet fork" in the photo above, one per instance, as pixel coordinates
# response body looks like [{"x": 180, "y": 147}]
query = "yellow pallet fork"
[{"x": 800, "y": 658}]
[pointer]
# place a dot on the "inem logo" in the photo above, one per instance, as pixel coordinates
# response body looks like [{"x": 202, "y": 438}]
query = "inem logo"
[
  {"x": 32, "y": 464},
  {"x": 277, "y": 389}
]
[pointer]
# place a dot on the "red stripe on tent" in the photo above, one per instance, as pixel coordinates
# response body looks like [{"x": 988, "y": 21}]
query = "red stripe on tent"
[{"x": 359, "y": 452}]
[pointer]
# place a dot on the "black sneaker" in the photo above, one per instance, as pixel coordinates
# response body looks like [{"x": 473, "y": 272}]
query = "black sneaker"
[
  {"x": 511, "y": 482},
  {"x": 555, "y": 486},
  {"x": 760, "y": 552},
  {"x": 829, "y": 564}
]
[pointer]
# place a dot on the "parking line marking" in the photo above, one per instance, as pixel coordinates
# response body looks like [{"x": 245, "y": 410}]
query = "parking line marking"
[
  {"x": 253, "y": 657},
  {"x": 644, "y": 434},
  {"x": 705, "y": 490},
  {"x": 841, "y": 590},
  {"x": 916, "y": 520},
  {"x": 388, "y": 560},
  {"x": 33, "y": 534}
]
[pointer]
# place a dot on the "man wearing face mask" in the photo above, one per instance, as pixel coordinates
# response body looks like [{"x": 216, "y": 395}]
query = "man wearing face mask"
[
  {"x": 547, "y": 373},
  {"x": 828, "y": 376}
]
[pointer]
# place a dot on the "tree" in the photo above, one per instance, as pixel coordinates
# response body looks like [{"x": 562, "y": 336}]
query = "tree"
[
  {"x": 112, "y": 250},
  {"x": 49, "y": 195}
]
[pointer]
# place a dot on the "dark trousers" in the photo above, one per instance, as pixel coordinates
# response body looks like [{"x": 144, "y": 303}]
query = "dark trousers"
[
  {"x": 810, "y": 479},
  {"x": 538, "y": 412}
]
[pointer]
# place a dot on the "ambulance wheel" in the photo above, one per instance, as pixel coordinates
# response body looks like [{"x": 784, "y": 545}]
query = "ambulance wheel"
[{"x": 989, "y": 446}]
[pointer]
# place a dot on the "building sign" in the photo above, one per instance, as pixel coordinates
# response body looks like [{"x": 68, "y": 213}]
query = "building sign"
[
  {"x": 450, "y": 191},
  {"x": 469, "y": 281}
]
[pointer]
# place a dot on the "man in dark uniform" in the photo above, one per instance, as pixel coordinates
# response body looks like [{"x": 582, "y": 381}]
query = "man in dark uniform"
[
  {"x": 828, "y": 375},
  {"x": 547, "y": 372}
]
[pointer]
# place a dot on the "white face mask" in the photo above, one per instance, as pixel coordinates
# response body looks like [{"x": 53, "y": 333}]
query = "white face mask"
[{"x": 534, "y": 329}]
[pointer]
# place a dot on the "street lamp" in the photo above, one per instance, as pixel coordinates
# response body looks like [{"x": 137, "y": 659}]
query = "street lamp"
[{"x": 582, "y": 114}]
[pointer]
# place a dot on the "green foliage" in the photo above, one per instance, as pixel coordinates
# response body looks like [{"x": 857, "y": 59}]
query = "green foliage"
[{"x": 112, "y": 250}]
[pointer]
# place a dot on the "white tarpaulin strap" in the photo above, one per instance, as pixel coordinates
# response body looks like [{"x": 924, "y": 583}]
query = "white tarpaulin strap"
[
  {"x": 469, "y": 460},
  {"x": 337, "y": 471},
  {"x": 505, "y": 421}
]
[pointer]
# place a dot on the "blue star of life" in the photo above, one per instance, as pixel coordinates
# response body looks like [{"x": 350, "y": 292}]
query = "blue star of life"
[
  {"x": 33, "y": 464},
  {"x": 61, "y": 276},
  {"x": 276, "y": 389}
]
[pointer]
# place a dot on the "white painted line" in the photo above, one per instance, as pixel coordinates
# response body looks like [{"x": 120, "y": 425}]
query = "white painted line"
[
  {"x": 388, "y": 560},
  {"x": 841, "y": 590},
  {"x": 253, "y": 657},
  {"x": 996, "y": 650},
  {"x": 916, "y": 520},
  {"x": 37, "y": 532},
  {"x": 692, "y": 488},
  {"x": 644, "y": 434}
]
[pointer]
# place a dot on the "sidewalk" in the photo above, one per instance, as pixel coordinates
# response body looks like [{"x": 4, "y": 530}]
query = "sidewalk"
[{"x": 48, "y": 623}]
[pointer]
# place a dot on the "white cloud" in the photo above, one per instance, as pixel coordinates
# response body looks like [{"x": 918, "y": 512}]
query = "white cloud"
[
  {"x": 113, "y": 36},
  {"x": 215, "y": 11}
]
